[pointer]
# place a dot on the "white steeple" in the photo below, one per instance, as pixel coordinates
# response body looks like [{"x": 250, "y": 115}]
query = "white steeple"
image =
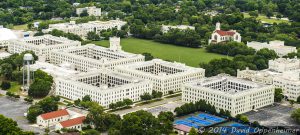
[{"x": 218, "y": 26}]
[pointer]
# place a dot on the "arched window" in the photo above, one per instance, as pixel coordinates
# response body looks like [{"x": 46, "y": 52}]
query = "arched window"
[
  {"x": 216, "y": 37},
  {"x": 236, "y": 37}
]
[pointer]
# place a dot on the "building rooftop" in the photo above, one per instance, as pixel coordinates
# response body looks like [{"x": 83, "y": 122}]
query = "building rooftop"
[
  {"x": 158, "y": 67},
  {"x": 72, "y": 122},
  {"x": 7, "y": 34},
  {"x": 98, "y": 53},
  {"x": 182, "y": 128},
  {"x": 45, "y": 40},
  {"x": 106, "y": 79},
  {"x": 285, "y": 60},
  {"x": 54, "y": 114},
  {"x": 227, "y": 84},
  {"x": 64, "y": 69},
  {"x": 225, "y": 33}
]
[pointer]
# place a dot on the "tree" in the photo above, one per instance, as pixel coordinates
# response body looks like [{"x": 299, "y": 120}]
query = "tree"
[
  {"x": 278, "y": 96},
  {"x": 6, "y": 70},
  {"x": 33, "y": 112},
  {"x": 39, "y": 88},
  {"x": 10, "y": 127},
  {"x": 127, "y": 102},
  {"x": 148, "y": 56},
  {"x": 86, "y": 98},
  {"x": 166, "y": 120},
  {"x": 45, "y": 105},
  {"x": 28, "y": 99},
  {"x": 156, "y": 94},
  {"x": 292, "y": 102},
  {"x": 77, "y": 102},
  {"x": 146, "y": 96},
  {"x": 84, "y": 13},
  {"x": 112, "y": 106},
  {"x": 91, "y": 132},
  {"x": 193, "y": 132},
  {"x": 256, "y": 124},
  {"x": 93, "y": 36},
  {"x": 296, "y": 115},
  {"x": 140, "y": 122},
  {"x": 5, "y": 85},
  {"x": 298, "y": 99}
]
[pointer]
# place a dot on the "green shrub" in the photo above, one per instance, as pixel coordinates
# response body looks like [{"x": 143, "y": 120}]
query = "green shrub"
[{"x": 5, "y": 85}]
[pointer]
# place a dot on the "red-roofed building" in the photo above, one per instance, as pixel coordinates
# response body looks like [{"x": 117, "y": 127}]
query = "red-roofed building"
[
  {"x": 220, "y": 35},
  {"x": 182, "y": 129},
  {"x": 51, "y": 118},
  {"x": 75, "y": 123}
]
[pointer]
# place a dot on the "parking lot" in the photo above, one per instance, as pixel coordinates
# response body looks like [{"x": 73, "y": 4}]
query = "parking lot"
[
  {"x": 170, "y": 106},
  {"x": 277, "y": 115},
  {"x": 15, "y": 109}
]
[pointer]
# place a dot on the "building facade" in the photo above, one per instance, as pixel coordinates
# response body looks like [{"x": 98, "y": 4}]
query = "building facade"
[
  {"x": 284, "y": 64},
  {"x": 282, "y": 73},
  {"x": 51, "y": 118},
  {"x": 84, "y": 28},
  {"x": 219, "y": 35},
  {"x": 166, "y": 28},
  {"x": 277, "y": 46},
  {"x": 103, "y": 86},
  {"x": 41, "y": 45},
  {"x": 75, "y": 123},
  {"x": 165, "y": 76},
  {"x": 92, "y": 11},
  {"x": 229, "y": 93},
  {"x": 90, "y": 56}
]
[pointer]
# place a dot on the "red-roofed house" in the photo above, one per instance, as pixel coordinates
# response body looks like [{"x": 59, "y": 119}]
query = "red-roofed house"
[
  {"x": 51, "y": 118},
  {"x": 75, "y": 123},
  {"x": 220, "y": 35},
  {"x": 182, "y": 129}
]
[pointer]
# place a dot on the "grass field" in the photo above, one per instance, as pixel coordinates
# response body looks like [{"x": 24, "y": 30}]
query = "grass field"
[
  {"x": 15, "y": 87},
  {"x": 266, "y": 19},
  {"x": 189, "y": 56},
  {"x": 20, "y": 27}
]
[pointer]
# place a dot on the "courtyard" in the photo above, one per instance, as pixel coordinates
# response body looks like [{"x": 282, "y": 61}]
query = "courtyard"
[{"x": 275, "y": 115}]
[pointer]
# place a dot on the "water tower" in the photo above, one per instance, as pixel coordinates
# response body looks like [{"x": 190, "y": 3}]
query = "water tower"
[{"x": 27, "y": 60}]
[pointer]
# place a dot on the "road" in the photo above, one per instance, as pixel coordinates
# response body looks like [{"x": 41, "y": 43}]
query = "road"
[{"x": 147, "y": 106}]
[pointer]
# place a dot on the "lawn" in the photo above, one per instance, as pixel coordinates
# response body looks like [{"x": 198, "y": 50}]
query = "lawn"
[
  {"x": 20, "y": 27},
  {"x": 15, "y": 87},
  {"x": 189, "y": 56},
  {"x": 266, "y": 19}
]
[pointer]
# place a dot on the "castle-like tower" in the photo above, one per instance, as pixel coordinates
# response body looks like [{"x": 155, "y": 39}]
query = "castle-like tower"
[{"x": 115, "y": 44}]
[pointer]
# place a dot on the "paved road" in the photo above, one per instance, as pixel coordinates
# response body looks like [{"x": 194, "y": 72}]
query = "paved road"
[{"x": 146, "y": 106}]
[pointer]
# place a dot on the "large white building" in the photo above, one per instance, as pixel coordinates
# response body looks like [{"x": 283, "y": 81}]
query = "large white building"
[
  {"x": 166, "y": 28},
  {"x": 219, "y": 35},
  {"x": 84, "y": 28},
  {"x": 103, "y": 86},
  {"x": 277, "y": 46},
  {"x": 5, "y": 36},
  {"x": 282, "y": 73},
  {"x": 41, "y": 45},
  {"x": 166, "y": 76},
  {"x": 284, "y": 64},
  {"x": 90, "y": 56},
  {"x": 229, "y": 93},
  {"x": 92, "y": 11}
]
